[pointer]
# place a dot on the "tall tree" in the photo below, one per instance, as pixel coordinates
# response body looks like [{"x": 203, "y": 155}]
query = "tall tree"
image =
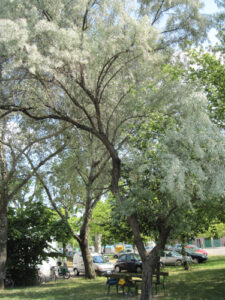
[
  {"x": 15, "y": 146},
  {"x": 176, "y": 167},
  {"x": 80, "y": 62},
  {"x": 74, "y": 186},
  {"x": 208, "y": 68},
  {"x": 220, "y": 22}
]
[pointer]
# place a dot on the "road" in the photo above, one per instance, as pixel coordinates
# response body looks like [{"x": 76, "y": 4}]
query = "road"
[{"x": 215, "y": 251}]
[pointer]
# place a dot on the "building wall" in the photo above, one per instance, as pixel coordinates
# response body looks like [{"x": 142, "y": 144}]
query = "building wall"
[{"x": 209, "y": 242}]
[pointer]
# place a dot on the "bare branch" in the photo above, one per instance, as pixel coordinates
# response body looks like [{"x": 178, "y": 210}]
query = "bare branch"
[
  {"x": 41, "y": 163},
  {"x": 101, "y": 168},
  {"x": 76, "y": 103},
  {"x": 115, "y": 108},
  {"x": 106, "y": 68},
  {"x": 114, "y": 75},
  {"x": 171, "y": 30},
  {"x": 157, "y": 15},
  {"x": 64, "y": 218}
]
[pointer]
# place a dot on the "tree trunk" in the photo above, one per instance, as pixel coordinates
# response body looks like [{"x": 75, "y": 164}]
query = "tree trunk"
[
  {"x": 98, "y": 239},
  {"x": 147, "y": 272},
  {"x": 183, "y": 252},
  {"x": 3, "y": 241},
  {"x": 3, "y": 209},
  {"x": 87, "y": 258}
]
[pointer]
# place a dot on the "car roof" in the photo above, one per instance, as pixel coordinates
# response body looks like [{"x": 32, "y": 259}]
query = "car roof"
[
  {"x": 129, "y": 254},
  {"x": 96, "y": 254}
]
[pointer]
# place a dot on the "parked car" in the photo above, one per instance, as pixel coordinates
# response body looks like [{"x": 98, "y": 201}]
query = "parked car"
[
  {"x": 131, "y": 262},
  {"x": 191, "y": 247},
  {"x": 196, "y": 249},
  {"x": 197, "y": 257},
  {"x": 44, "y": 269},
  {"x": 125, "y": 251},
  {"x": 149, "y": 248},
  {"x": 169, "y": 247},
  {"x": 174, "y": 258},
  {"x": 177, "y": 248},
  {"x": 101, "y": 264}
]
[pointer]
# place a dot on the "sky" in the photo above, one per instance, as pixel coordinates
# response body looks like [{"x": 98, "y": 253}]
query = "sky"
[{"x": 211, "y": 8}]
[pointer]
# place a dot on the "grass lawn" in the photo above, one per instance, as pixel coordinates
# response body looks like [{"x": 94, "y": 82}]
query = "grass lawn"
[{"x": 203, "y": 282}]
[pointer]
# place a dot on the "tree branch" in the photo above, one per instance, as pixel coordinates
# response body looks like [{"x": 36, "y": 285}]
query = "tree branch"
[{"x": 20, "y": 185}]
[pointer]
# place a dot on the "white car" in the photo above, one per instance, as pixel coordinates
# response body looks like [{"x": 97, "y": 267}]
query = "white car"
[
  {"x": 102, "y": 266},
  {"x": 44, "y": 269},
  {"x": 124, "y": 251},
  {"x": 169, "y": 258}
]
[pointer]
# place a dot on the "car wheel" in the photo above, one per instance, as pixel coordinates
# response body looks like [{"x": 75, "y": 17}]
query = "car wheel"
[
  {"x": 195, "y": 261},
  {"x": 76, "y": 272},
  {"x": 139, "y": 269},
  {"x": 117, "y": 269},
  {"x": 162, "y": 265},
  {"x": 178, "y": 263}
]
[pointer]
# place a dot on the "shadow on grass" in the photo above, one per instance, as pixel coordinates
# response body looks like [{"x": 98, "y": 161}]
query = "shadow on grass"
[
  {"x": 199, "y": 284},
  {"x": 73, "y": 289},
  {"x": 203, "y": 282}
]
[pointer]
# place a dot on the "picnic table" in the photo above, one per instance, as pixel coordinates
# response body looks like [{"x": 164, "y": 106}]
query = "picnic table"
[{"x": 132, "y": 280}]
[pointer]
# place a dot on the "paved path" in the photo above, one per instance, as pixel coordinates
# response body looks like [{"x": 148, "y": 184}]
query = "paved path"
[{"x": 215, "y": 251}]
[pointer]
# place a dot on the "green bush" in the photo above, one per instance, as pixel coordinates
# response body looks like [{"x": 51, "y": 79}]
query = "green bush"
[{"x": 31, "y": 229}]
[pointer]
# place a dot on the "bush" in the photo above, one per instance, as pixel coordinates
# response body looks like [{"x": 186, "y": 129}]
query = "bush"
[{"x": 30, "y": 231}]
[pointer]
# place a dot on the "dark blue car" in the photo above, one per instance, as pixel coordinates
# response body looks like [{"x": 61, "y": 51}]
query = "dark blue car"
[{"x": 129, "y": 262}]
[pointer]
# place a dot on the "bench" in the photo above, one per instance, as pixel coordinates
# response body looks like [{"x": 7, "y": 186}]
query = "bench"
[{"x": 133, "y": 280}]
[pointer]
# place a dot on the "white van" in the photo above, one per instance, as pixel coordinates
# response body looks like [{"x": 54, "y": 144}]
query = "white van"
[
  {"x": 45, "y": 268},
  {"x": 101, "y": 264}
]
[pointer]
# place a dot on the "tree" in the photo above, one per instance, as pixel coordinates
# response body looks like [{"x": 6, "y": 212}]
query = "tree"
[
  {"x": 74, "y": 186},
  {"x": 219, "y": 22},
  {"x": 80, "y": 63},
  {"x": 175, "y": 169},
  {"x": 109, "y": 223},
  {"x": 15, "y": 146},
  {"x": 210, "y": 71},
  {"x": 207, "y": 66},
  {"x": 99, "y": 226},
  {"x": 31, "y": 230}
]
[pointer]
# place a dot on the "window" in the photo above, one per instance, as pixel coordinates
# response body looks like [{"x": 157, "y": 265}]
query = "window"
[
  {"x": 122, "y": 258},
  {"x": 129, "y": 257}
]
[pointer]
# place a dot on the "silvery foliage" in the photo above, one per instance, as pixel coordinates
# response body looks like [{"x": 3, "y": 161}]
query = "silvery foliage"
[
  {"x": 74, "y": 54},
  {"x": 55, "y": 53},
  {"x": 185, "y": 160},
  {"x": 67, "y": 65},
  {"x": 179, "y": 20},
  {"x": 192, "y": 160}
]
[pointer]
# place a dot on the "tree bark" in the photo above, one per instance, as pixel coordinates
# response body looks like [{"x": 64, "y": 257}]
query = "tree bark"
[
  {"x": 3, "y": 210},
  {"x": 183, "y": 252},
  {"x": 148, "y": 269},
  {"x": 87, "y": 258},
  {"x": 3, "y": 241},
  {"x": 98, "y": 239}
]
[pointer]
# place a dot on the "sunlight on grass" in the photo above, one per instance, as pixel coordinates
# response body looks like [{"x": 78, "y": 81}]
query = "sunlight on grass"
[{"x": 202, "y": 282}]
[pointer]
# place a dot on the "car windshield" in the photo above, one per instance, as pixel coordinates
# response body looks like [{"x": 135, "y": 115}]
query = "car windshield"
[
  {"x": 174, "y": 253},
  {"x": 136, "y": 257},
  {"x": 192, "y": 251},
  {"x": 99, "y": 259},
  {"x": 192, "y": 247}
]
